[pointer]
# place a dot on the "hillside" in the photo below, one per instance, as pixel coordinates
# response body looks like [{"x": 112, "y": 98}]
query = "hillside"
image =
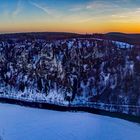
[
  {"x": 77, "y": 71},
  {"x": 129, "y": 38},
  {"x": 39, "y": 35}
]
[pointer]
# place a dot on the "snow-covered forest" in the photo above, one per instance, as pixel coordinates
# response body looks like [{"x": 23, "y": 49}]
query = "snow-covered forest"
[{"x": 94, "y": 72}]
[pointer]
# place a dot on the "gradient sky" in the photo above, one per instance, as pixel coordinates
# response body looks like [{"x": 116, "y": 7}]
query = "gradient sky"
[{"x": 82, "y": 16}]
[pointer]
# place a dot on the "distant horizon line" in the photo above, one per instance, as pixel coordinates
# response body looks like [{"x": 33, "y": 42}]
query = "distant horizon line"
[{"x": 3, "y": 33}]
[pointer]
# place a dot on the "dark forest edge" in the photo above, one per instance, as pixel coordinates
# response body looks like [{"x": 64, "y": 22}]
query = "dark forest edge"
[
  {"x": 116, "y": 36},
  {"x": 54, "y": 107}
]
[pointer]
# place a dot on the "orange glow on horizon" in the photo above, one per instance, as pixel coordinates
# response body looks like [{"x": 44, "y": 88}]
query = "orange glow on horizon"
[
  {"x": 87, "y": 27},
  {"x": 98, "y": 16}
]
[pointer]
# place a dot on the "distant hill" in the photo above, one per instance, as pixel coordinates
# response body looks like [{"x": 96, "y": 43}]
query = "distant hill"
[
  {"x": 129, "y": 38},
  {"x": 39, "y": 35},
  {"x": 116, "y": 36}
]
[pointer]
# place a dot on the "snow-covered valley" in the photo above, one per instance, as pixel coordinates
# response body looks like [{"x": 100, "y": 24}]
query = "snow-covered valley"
[{"x": 18, "y": 123}]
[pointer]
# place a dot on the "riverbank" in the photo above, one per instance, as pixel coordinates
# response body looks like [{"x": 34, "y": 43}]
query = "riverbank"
[{"x": 61, "y": 107}]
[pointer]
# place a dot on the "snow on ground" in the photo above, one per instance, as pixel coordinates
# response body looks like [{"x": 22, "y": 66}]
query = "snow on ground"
[
  {"x": 22, "y": 123},
  {"x": 123, "y": 45}
]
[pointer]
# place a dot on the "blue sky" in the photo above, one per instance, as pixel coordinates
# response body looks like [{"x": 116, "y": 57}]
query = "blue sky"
[{"x": 49, "y": 13}]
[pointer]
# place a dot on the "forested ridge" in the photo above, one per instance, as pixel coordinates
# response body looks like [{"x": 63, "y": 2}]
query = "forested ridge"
[{"x": 72, "y": 71}]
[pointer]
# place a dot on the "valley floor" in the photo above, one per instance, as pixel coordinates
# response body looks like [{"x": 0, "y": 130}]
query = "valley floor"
[{"x": 21, "y": 123}]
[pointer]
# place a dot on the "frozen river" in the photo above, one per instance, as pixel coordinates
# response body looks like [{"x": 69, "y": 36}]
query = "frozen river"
[{"x": 22, "y": 123}]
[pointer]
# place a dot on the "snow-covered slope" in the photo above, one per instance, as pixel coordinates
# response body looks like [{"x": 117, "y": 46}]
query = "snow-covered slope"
[
  {"x": 79, "y": 71},
  {"x": 20, "y": 123}
]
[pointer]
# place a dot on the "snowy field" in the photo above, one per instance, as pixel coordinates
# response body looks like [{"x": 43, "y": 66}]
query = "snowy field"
[{"x": 22, "y": 123}]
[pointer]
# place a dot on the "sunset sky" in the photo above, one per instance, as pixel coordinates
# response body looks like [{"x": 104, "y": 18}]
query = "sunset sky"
[{"x": 82, "y": 16}]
